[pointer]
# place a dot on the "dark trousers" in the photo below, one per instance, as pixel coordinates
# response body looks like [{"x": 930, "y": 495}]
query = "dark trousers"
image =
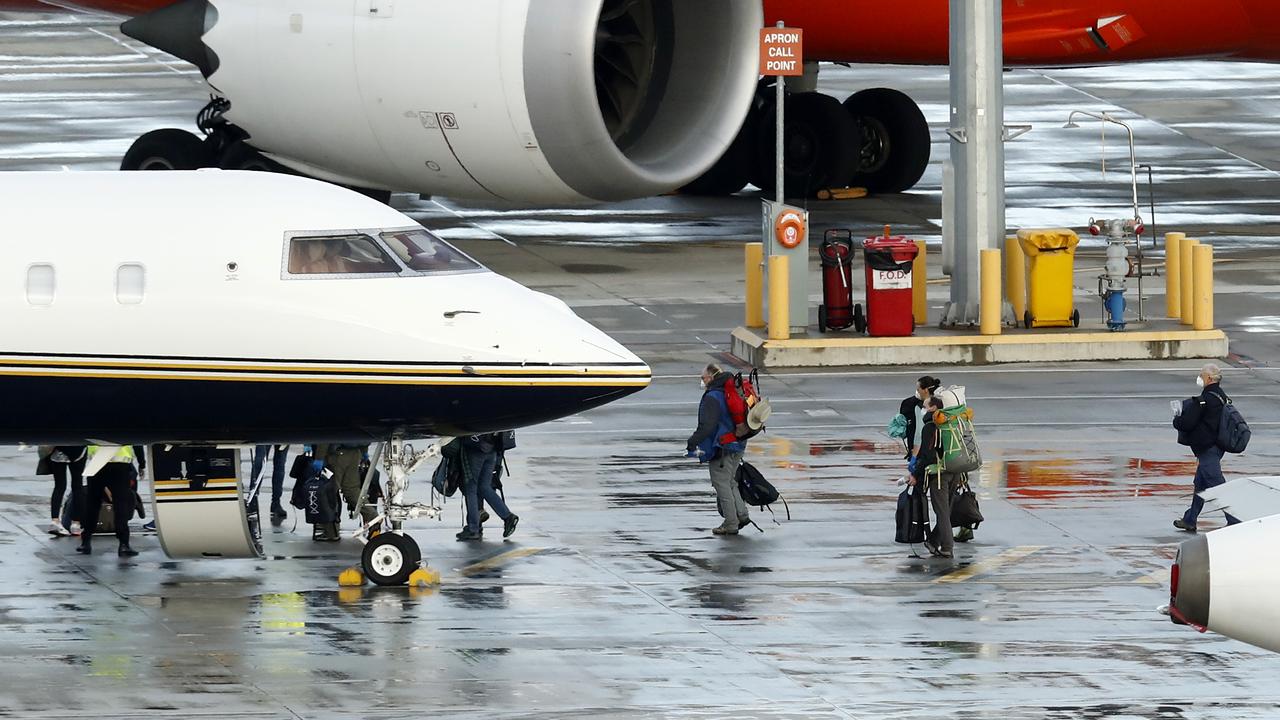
[
  {"x": 478, "y": 486},
  {"x": 118, "y": 478},
  {"x": 279, "y": 458},
  {"x": 60, "y": 470},
  {"x": 941, "y": 491},
  {"x": 1208, "y": 475}
]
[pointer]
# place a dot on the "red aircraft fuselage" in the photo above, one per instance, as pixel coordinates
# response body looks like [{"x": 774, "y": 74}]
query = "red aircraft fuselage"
[{"x": 1036, "y": 32}]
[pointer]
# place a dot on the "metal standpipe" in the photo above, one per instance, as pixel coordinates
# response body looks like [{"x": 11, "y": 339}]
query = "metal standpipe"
[{"x": 976, "y": 131}]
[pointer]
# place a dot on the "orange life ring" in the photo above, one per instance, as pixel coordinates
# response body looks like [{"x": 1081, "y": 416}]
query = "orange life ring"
[{"x": 788, "y": 228}]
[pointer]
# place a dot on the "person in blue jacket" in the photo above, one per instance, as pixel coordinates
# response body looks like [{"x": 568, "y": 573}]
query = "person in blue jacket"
[{"x": 722, "y": 459}]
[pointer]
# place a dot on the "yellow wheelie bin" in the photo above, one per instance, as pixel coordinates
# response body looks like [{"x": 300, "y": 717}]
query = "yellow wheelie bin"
[{"x": 1051, "y": 259}]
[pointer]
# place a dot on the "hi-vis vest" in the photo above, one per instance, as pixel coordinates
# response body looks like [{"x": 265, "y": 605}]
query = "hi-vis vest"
[{"x": 124, "y": 454}]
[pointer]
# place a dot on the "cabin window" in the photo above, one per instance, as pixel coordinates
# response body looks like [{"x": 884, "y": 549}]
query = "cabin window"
[
  {"x": 131, "y": 283},
  {"x": 40, "y": 284},
  {"x": 339, "y": 255},
  {"x": 424, "y": 252}
]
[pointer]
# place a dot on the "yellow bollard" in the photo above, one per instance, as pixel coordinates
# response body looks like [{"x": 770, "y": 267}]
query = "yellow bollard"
[
  {"x": 989, "y": 311},
  {"x": 779, "y": 315},
  {"x": 920, "y": 286},
  {"x": 1015, "y": 277},
  {"x": 755, "y": 284},
  {"x": 1202, "y": 282},
  {"x": 1172, "y": 276},
  {"x": 1186, "y": 292}
]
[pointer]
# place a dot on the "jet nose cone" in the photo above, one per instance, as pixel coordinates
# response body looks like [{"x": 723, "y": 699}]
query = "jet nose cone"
[{"x": 178, "y": 29}]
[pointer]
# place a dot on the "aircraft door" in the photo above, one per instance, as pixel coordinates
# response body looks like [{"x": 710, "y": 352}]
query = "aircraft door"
[{"x": 199, "y": 503}]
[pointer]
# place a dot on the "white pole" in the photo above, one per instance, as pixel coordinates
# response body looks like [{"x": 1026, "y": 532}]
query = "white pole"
[{"x": 779, "y": 191}]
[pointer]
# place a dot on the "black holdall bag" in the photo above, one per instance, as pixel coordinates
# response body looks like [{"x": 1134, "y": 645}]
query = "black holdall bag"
[
  {"x": 756, "y": 491},
  {"x": 964, "y": 508},
  {"x": 912, "y": 516}
]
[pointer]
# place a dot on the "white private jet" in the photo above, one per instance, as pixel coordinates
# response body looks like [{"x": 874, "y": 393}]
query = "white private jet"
[
  {"x": 297, "y": 312},
  {"x": 1225, "y": 580}
]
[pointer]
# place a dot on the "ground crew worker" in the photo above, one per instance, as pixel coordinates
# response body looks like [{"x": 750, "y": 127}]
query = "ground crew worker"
[
  {"x": 114, "y": 482},
  {"x": 722, "y": 459},
  {"x": 344, "y": 462},
  {"x": 1197, "y": 425}
]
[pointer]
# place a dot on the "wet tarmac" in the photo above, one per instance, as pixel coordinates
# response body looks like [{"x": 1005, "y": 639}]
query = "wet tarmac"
[{"x": 613, "y": 599}]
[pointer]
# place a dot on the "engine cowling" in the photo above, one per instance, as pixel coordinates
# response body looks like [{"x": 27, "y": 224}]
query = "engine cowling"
[
  {"x": 1218, "y": 583},
  {"x": 543, "y": 101}
]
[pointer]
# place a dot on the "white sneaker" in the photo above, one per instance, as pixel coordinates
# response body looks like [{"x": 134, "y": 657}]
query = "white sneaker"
[
  {"x": 75, "y": 528},
  {"x": 56, "y": 529}
]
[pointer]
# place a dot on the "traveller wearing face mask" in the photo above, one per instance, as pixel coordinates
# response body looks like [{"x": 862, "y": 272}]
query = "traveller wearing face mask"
[
  {"x": 1197, "y": 423},
  {"x": 913, "y": 410},
  {"x": 722, "y": 459}
]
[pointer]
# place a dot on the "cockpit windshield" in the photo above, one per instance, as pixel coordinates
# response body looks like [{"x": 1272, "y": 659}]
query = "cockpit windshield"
[
  {"x": 423, "y": 252},
  {"x": 339, "y": 255}
]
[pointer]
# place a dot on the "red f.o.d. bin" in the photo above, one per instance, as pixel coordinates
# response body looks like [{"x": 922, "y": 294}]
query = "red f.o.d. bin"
[{"x": 888, "y": 269}]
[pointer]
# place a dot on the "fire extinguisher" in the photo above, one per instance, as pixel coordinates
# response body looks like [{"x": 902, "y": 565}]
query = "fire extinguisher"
[{"x": 836, "y": 255}]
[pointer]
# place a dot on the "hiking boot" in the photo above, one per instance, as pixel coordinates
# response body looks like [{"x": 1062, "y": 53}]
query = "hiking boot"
[
  {"x": 466, "y": 535},
  {"x": 725, "y": 530},
  {"x": 933, "y": 549},
  {"x": 1183, "y": 526},
  {"x": 277, "y": 512},
  {"x": 965, "y": 535},
  {"x": 126, "y": 551},
  {"x": 509, "y": 525},
  {"x": 84, "y": 549}
]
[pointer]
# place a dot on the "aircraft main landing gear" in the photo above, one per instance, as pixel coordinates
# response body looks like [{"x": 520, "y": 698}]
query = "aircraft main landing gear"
[{"x": 392, "y": 556}]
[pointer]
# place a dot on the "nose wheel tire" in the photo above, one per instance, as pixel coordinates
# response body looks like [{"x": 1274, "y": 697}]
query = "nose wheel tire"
[
  {"x": 390, "y": 558},
  {"x": 167, "y": 149}
]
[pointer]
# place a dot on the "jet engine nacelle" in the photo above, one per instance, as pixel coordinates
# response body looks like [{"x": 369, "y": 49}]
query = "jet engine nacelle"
[
  {"x": 1224, "y": 581},
  {"x": 545, "y": 101}
]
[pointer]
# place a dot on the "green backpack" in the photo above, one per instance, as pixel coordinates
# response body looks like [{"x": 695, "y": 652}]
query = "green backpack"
[{"x": 959, "y": 452}]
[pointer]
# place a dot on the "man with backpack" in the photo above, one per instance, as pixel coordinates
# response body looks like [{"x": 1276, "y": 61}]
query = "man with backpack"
[
  {"x": 716, "y": 444},
  {"x": 1199, "y": 424}
]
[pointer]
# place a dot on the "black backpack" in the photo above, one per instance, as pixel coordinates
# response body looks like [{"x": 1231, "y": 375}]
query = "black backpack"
[
  {"x": 1233, "y": 431},
  {"x": 756, "y": 491}
]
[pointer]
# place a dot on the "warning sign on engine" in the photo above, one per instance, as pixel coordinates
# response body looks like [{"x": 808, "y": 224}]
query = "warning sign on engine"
[{"x": 890, "y": 280}]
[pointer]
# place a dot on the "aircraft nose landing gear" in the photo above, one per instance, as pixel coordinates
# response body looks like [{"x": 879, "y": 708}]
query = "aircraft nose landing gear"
[{"x": 390, "y": 557}]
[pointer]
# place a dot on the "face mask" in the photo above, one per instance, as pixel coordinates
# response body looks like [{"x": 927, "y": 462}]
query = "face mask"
[
  {"x": 1199, "y": 381},
  {"x": 702, "y": 384}
]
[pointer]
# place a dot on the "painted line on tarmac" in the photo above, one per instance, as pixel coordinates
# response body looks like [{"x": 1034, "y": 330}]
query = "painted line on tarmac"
[
  {"x": 498, "y": 560},
  {"x": 982, "y": 567},
  {"x": 1000, "y": 370},
  {"x": 880, "y": 426}
]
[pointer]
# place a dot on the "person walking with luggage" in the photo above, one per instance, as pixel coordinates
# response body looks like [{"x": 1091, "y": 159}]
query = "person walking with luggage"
[
  {"x": 114, "y": 482},
  {"x": 940, "y": 485},
  {"x": 709, "y": 443},
  {"x": 344, "y": 462},
  {"x": 61, "y": 461},
  {"x": 912, "y": 410},
  {"x": 1197, "y": 422},
  {"x": 480, "y": 457}
]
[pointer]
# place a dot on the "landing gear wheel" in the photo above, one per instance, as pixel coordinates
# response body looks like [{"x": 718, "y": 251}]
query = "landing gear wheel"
[
  {"x": 390, "y": 558},
  {"x": 1026, "y": 319},
  {"x": 167, "y": 149},
  {"x": 1075, "y": 318},
  {"x": 821, "y": 146},
  {"x": 859, "y": 320},
  {"x": 894, "y": 146},
  {"x": 240, "y": 155},
  {"x": 822, "y": 318}
]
